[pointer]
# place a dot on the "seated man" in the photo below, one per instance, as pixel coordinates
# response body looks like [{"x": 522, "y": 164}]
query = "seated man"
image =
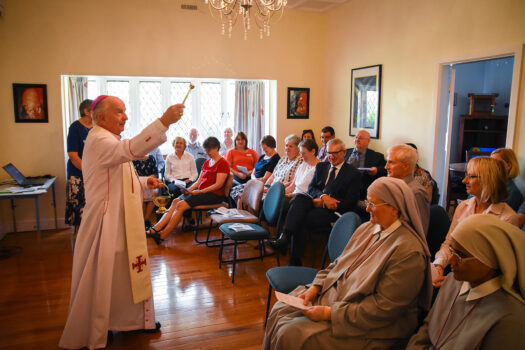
[
  {"x": 194, "y": 147},
  {"x": 334, "y": 188},
  {"x": 327, "y": 134},
  {"x": 401, "y": 163},
  {"x": 363, "y": 157}
]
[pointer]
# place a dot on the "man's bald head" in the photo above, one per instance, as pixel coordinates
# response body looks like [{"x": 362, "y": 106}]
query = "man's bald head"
[
  {"x": 362, "y": 140},
  {"x": 110, "y": 113}
]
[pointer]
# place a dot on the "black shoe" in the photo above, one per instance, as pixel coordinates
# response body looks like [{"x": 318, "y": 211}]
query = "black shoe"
[
  {"x": 148, "y": 224},
  {"x": 153, "y": 330},
  {"x": 295, "y": 262},
  {"x": 280, "y": 244},
  {"x": 155, "y": 235}
]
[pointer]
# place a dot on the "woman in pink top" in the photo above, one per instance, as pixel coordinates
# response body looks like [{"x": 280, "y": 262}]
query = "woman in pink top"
[
  {"x": 486, "y": 181},
  {"x": 242, "y": 156}
]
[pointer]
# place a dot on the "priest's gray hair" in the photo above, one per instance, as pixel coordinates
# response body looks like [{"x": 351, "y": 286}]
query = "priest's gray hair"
[{"x": 404, "y": 154}]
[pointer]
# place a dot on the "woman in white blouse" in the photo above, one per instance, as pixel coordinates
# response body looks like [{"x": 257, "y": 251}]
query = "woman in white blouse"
[
  {"x": 308, "y": 149},
  {"x": 179, "y": 166}
]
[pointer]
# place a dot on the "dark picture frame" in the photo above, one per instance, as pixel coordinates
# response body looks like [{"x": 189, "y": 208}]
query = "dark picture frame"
[
  {"x": 30, "y": 102},
  {"x": 298, "y": 106},
  {"x": 365, "y": 100}
]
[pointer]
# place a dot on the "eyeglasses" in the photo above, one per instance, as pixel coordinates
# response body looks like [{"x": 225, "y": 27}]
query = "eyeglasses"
[
  {"x": 459, "y": 255},
  {"x": 472, "y": 176},
  {"x": 334, "y": 153},
  {"x": 372, "y": 205}
]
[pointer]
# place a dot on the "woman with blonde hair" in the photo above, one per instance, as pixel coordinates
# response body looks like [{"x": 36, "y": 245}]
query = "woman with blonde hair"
[
  {"x": 485, "y": 180},
  {"x": 507, "y": 156}
]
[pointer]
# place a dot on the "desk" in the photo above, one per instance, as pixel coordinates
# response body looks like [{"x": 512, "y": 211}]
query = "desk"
[{"x": 33, "y": 194}]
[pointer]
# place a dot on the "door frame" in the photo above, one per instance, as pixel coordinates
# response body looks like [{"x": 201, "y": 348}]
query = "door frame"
[{"x": 511, "y": 138}]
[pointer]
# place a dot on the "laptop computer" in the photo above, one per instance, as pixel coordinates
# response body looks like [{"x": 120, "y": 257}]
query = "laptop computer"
[{"x": 21, "y": 179}]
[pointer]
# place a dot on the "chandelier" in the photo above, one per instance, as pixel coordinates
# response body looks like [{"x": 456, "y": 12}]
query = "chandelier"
[{"x": 263, "y": 11}]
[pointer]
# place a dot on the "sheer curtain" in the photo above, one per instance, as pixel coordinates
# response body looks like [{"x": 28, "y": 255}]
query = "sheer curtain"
[
  {"x": 77, "y": 91},
  {"x": 249, "y": 111}
]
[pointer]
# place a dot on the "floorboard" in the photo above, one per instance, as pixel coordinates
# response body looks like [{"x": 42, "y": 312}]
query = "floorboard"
[{"x": 195, "y": 301}]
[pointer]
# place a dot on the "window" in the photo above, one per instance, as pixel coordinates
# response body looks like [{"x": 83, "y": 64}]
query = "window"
[{"x": 209, "y": 107}]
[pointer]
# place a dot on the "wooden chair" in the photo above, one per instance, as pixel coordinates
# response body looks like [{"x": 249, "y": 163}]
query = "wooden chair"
[
  {"x": 199, "y": 210},
  {"x": 248, "y": 206}
]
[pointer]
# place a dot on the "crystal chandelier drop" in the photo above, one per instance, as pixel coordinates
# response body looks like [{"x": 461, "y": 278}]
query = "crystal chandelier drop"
[{"x": 263, "y": 11}]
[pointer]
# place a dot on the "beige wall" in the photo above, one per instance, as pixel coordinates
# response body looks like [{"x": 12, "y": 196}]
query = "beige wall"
[
  {"x": 40, "y": 40},
  {"x": 410, "y": 38}
]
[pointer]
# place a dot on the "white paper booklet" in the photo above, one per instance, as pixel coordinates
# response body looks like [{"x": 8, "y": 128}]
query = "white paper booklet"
[{"x": 292, "y": 300}]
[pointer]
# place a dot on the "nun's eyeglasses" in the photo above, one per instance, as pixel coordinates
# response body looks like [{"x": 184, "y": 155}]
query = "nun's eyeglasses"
[
  {"x": 372, "y": 205},
  {"x": 459, "y": 255}
]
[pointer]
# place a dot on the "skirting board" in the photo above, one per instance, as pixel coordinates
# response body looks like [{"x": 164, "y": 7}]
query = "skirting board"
[{"x": 30, "y": 225}]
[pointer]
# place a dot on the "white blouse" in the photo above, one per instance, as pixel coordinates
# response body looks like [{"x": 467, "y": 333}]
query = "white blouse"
[
  {"x": 303, "y": 177},
  {"x": 180, "y": 168}
]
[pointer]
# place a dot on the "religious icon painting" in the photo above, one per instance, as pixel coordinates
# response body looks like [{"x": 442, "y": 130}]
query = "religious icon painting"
[
  {"x": 30, "y": 102},
  {"x": 298, "y": 103},
  {"x": 365, "y": 100}
]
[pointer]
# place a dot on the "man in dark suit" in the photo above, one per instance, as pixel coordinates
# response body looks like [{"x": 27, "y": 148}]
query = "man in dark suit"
[
  {"x": 334, "y": 188},
  {"x": 363, "y": 157}
]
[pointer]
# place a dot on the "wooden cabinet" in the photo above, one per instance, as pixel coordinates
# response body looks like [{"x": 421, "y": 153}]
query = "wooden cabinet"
[{"x": 481, "y": 131}]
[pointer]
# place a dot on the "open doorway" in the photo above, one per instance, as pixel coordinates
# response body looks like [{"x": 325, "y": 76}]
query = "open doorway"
[{"x": 464, "y": 125}]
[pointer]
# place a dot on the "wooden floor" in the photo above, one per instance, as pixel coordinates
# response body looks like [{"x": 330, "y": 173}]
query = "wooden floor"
[{"x": 196, "y": 303}]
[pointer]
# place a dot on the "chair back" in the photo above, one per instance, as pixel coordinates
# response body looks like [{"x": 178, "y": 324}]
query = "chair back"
[
  {"x": 438, "y": 227},
  {"x": 273, "y": 204},
  {"x": 250, "y": 198},
  {"x": 199, "y": 162},
  {"x": 341, "y": 233}
]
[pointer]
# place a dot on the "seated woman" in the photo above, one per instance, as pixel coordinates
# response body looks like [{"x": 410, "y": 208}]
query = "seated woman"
[
  {"x": 147, "y": 167},
  {"x": 227, "y": 144},
  {"x": 264, "y": 167},
  {"x": 285, "y": 170},
  {"x": 372, "y": 296},
  {"x": 243, "y": 156},
  {"x": 482, "y": 306},
  {"x": 507, "y": 156},
  {"x": 305, "y": 171},
  {"x": 179, "y": 166},
  {"x": 208, "y": 189},
  {"x": 486, "y": 181},
  {"x": 307, "y": 134}
]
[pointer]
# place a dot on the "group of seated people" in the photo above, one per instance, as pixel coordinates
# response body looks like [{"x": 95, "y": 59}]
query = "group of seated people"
[{"x": 378, "y": 293}]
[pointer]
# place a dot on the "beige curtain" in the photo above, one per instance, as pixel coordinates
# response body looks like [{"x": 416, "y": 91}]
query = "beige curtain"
[
  {"x": 249, "y": 111},
  {"x": 77, "y": 91}
]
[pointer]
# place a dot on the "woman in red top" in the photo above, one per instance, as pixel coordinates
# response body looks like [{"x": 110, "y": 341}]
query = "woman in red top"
[
  {"x": 208, "y": 189},
  {"x": 243, "y": 156}
]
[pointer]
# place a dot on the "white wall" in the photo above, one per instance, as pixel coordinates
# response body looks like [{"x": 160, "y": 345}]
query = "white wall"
[{"x": 41, "y": 40}]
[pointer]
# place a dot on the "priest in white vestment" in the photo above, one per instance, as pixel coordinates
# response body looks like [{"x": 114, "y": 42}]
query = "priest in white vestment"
[{"x": 111, "y": 284}]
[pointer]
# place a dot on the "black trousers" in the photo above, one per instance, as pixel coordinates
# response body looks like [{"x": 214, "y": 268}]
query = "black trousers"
[{"x": 302, "y": 218}]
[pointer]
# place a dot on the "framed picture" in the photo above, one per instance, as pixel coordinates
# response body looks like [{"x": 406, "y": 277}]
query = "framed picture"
[
  {"x": 30, "y": 101},
  {"x": 298, "y": 103},
  {"x": 365, "y": 100}
]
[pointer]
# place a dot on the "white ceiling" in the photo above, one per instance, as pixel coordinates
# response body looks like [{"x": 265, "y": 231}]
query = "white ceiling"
[{"x": 314, "y": 5}]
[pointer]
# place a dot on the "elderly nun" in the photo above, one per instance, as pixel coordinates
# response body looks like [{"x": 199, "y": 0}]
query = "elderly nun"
[
  {"x": 482, "y": 305},
  {"x": 375, "y": 293}
]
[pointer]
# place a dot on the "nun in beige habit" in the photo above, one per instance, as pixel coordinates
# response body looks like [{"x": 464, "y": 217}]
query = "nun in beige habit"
[
  {"x": 375, "y": 293},
  {"x": 482, "y": 305}
]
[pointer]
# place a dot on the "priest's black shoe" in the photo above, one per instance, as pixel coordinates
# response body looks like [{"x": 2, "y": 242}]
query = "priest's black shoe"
[
  {"x": 280, "y": 244},
  {"x": 153, "y": 330}
]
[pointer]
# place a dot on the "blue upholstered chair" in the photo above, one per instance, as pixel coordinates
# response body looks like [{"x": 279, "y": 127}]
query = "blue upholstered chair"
[
  {"x": 286, "y": 278},
  {"x": 271, "y": 213}
]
